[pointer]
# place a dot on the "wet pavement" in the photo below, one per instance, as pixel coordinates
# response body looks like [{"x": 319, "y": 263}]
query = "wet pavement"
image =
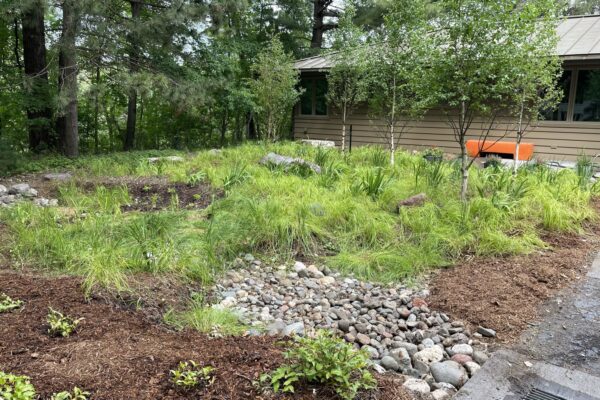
[{"x": 560, "y": 355}]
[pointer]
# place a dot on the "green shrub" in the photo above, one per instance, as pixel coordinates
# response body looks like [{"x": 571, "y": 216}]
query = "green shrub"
[
  {"x": 60, "y": 324},
  {"x": 14, "y": 387},
  {"x": 196, "y": 178},
  {"x": 188, "y": 375},
  {"x": 236, "y": 175},
  {"x": 75, "y": 394},
  {"x": 7, "y": 304},
  {"x": 323, "y": 360}
]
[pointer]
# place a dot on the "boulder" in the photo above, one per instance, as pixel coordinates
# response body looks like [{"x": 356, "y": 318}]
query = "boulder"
[
  {"x": 296, "y": 328},
  {"x": 390, "y": 363},
  {"x": 288, "y": 162},
  {"x": 319, "y": 143},
  {"x": 413, "y": 201},
  {"x": 58, "y": 176},
  {"x": 3, "y": 190},
  {"x": 449, "y": 372},
  {"x": 173, "y": 159}
]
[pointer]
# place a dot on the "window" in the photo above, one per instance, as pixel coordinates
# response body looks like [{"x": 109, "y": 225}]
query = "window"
[
  {"x": 581, "y": 101},
  {"x": 562, "y": 111},
  {"x": 314, "y": 99},
  {"x": 587, "y": 98}
]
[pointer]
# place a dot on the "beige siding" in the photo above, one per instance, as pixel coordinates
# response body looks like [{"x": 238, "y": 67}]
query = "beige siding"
[{"x": 552, "y": 140}]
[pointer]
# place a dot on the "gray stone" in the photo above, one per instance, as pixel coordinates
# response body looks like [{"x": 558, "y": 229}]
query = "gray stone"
[
  {"x": 440, "y": 394},
  {"x": 296, "y": 328},
  {"x": 288, "y": 162},
  {"x": 480, "y": 357},
  {"x": 319, "y": 143},
  {"x": 390, "y": 363},
  {"x": 344, "y": 325},
  {"x": 3, "y": 190},
  {"x": 410, "y": 347},
  {"x": 486, "y": 332},
  {"x": 402, "y": 357},
  {"x": 363, "y": 339},
  {"x": 173, "y": 159},
  {"x": 58, "y": 176},
  {"x": 429, "y": 355},
  {"x": 314, "y": 272},
  {"x": 450, "y": 372},
  {"x": 462, "y": 349},
  {"x": 416, "y": 385},
  {"x": 372, "y": 351},
  {"x": 276, "y": 328},
  {"x": 472, "y": 367},
  {"x": 19, "y": 188}
]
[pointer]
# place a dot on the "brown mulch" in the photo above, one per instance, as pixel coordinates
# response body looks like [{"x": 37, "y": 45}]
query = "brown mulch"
[
  {"x": 505, "y": 293},
  {"x": 120, "y": 354}
]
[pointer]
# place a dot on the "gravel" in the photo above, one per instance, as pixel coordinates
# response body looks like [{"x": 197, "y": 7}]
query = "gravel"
[{"x": 393, "y": 324}]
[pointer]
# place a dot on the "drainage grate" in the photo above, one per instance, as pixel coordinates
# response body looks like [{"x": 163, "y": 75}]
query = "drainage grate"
[{"x": 537, "y": 394}]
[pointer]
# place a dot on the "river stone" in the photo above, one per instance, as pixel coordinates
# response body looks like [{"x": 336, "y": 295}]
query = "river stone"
[
  {"x": 327, "y": 280},
  {"x": 363, "y": 339},
  {"x": 440, "y": 394},
  {"x": 344, "y": 325},
  {"x": 296, "y": 328},
  {"x": 480, "y": 357},
  {"x": 390, "y": 363},
  {"x": 486, "y": 332},
  {"x": 472, "y": 367},
  {"x": 450, "y": 372},
  {"x": 20, "y": 188},
  {"x": 3, "y": 190},
  {"x": 462, "y": 359},
  {"x": 314, "y": 272},
  {"x": 462, "y": 349},
  {"x": 410, "y": 347},
  {"x": 429, "y": 355},
  {"x": 276, "y": 328},
  {"x": 371, "y": 351},
  {"x": 416, "y": 385},
  {"x": 402, "y": 357}
]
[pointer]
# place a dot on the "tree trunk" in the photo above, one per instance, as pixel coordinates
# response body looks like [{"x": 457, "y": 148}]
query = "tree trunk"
[
  {"x": 464, "y": 166},
  {"x": 519, "y": 137},
  {"x": 68, "y": 79},
  {"x": 320, "y": 11},
  {"x": 39, "y": 112},
  {"x": 344, "y": 117},
  {"x": 97, "y": 112},
  {"x": 134, "y": 60}
]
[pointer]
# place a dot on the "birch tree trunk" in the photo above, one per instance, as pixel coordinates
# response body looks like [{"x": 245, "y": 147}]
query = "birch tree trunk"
[
  {"x": 344, "y": 114},
  {"x": 464, "y": 167}
]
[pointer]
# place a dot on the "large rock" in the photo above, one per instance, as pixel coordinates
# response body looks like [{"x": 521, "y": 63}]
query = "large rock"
[
  {"x": 319, "y": 143},
  {"x": 416, "y": 385},
  {"x": 58, "y": 176},
  {"x": 3, "y": 190},
  {"x": 462, "y": 349},
  {"x": 413, "y": 201},
  {"x": 296, "y": 328},
  {"x": 449, "y": 372},
  {"x": 289, "y": 162},
  {"x": 429, "y": 355},
  {"x": 390, "y": 363},
  {"x": 174, "y": 159},
  {"x": 23, "y": 189}
]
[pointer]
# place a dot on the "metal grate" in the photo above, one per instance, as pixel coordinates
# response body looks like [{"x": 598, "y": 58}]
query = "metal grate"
[{"x": 537, "y": 394}]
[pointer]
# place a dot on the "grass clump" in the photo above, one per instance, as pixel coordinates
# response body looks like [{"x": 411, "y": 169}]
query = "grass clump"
[
  {"x": 323, "y": 360},
  {"x": 189, "y": 375},
  {"x": 75, "y": 394},
  {"x": 207, "y": 319},
  {"x": 16, "y": 387},
  {"x": 7, "y": 304},
  {"x": 60, "y": 324}
]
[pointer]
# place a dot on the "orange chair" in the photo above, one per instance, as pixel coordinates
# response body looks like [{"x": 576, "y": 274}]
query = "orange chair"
[{"x": 481, "y": 148}]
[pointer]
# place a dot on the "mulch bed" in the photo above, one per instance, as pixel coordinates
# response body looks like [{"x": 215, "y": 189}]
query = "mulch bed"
[
  {"x": 120, "y": 354},
  {"x": 505, "y": 294}
]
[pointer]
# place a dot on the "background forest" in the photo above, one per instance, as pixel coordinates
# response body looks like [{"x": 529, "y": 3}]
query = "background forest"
[{"x": 84, "y": 76}]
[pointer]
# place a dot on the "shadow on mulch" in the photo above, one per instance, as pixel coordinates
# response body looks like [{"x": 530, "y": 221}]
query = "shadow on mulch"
[
  {"x": 120, "y": 354},
  {"x": 505, "y": 293}
]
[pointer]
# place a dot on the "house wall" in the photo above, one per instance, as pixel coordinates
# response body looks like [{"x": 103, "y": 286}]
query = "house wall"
[{"x": 553, "y": 140}]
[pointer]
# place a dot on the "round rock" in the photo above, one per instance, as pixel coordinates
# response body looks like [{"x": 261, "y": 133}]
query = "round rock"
[{"x": 449, "y": 372}]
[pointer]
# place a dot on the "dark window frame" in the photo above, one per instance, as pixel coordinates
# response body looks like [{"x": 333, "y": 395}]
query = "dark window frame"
[
  {"x": 574, "y": 69},
  {"x": 313, "y": 92}
]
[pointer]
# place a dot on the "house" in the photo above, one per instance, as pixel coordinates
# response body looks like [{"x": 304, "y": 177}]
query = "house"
[{"x": 573, "y": 128}]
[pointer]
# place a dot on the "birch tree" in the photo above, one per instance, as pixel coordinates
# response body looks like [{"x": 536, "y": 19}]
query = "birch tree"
[
  {"x": 473, "y": 68},
  {"x": 347, "y": 78},
  {"x": 397, "y": 92}
]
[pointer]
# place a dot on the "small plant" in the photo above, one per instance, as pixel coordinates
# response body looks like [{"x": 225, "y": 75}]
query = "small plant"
[
  {"x": 76, "y": 394},
  {"x": 15, "y": 387},
  {"x": 433, "y": 154},
  {"x": 584, "y": 169},
  {"x": 61, "y": 325},
  {"x": 7, "y": 304},
  {"x": 189, "y": 375},
  {"x": 373, "y": 183},
  {"x": 196, "y": 178},
  {"x": 235, "y": 176},
  {"x": 323, "y": 360},
  {"x": 322, "y": 156},
  {"x": 379, "y": 157},
  {"x": 493, "y": 163}
]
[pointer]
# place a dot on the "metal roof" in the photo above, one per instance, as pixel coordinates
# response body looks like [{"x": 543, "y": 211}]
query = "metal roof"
[{"x": 579, "y": 39}]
